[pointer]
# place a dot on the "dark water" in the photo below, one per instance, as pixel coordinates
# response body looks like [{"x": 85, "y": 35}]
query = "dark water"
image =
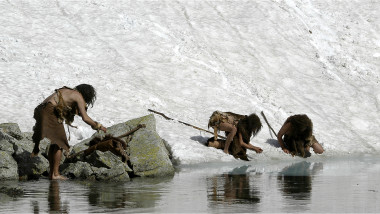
[{"x": 345, "y": 184}]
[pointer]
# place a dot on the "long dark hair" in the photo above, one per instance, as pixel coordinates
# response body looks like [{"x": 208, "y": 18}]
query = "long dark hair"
[
  {"x": 88, "y": 93},
  {"x": 249, "y": 126}
]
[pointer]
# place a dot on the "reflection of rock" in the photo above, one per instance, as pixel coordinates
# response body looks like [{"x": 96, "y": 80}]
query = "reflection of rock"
[
  {"x": 12, "y": 191},
  {"x": 233, "y": 187},
  {"x": 296, "y": 180},
  {"x": 147, "y": 151},
  {"x": 117, "y": 195}
]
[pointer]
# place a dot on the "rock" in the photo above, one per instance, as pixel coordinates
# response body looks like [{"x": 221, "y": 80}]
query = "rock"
[
  {"x": 6, "y": 146},
  {"x": 148, "y": 154},
  {"x": 117, "y": 173},
  {"x": 84, "y": 171},
  {"x": 105, "y": 159},
  {"x": 8, "y": 166},
  {"x": 12, "y": 129},
  {"x": 28, "y": 135},
  {"x": 78, "y": 170},
  {"x": 27, "y": 166}
]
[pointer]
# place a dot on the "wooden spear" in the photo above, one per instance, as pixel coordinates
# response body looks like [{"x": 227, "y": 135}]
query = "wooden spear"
[
  {"x": 262, "y": 113},
  {"x": 187, "y": 124}
]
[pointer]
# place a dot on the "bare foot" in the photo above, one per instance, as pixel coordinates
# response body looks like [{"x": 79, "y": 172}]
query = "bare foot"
[
  {"x": 58, "y": 177},
  {"x": 226, "y": 152}
]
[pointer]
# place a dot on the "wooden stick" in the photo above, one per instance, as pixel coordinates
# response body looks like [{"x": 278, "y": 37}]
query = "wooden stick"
[
  {"x": 262, "y": 113},
  {"x": 132, "y": 130},
  {"x": 187, "y": 124}
]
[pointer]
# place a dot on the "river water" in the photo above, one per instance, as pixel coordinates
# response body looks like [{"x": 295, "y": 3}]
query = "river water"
[{"x": 330, "y": 184}]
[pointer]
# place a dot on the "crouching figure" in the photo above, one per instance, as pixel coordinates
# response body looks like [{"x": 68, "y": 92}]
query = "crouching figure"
[
  {"x": 238, "y": 128},
  {"x": 296, "y": 136}
]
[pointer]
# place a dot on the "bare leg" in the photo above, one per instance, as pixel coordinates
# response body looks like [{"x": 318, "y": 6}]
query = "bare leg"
[
  {"x": 317, "y": 148},
  {"x": 251, "y": 147},
  {"x": 55, "y": 155},
  {"x": 232, "y": 132}
]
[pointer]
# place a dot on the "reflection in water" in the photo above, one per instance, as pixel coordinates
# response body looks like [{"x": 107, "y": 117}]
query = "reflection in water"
[
  {"x": 232, "y": 188},
  {"x": 296, "y": 180},
  {"x": 119, "y": 195},
  {"x": 54, "y": 199}
]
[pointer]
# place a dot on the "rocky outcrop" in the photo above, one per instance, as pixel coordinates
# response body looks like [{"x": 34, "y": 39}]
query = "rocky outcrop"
[{"x": 148, "y": 154}]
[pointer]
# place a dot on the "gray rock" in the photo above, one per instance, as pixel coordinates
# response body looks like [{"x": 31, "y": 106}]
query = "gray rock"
[
  {"x": 78, "y": 170},
  {"x": 148, "y": 154},
  {"x": 28, "y": 135},
  {"x": 6, "y": 146},
  {"x": 105, "y": 159},
  {"x": 12, "y": 129},
  {"x": 8, "y": 166},
  {"x": 27, "y": 166},
  {"x": 117, "y": 173}
]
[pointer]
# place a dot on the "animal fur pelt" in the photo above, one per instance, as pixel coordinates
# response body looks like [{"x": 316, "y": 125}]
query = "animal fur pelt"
[
  {"x": 235, "y": 149},
  {"x": 300, "y": 134},
  {"x": 108, "y": 143}
]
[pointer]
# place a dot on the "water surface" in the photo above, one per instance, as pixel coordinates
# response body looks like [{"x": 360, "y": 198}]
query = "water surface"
[{"x": 341, "y": 184}]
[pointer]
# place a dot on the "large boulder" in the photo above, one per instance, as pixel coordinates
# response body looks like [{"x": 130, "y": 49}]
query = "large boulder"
[{"x": 147, "y": 150}]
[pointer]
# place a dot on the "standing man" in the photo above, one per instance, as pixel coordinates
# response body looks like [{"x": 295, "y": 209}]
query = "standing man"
[{"x": 61, "y": 107}]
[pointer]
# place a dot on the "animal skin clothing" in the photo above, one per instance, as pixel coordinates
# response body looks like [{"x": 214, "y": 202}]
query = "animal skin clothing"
[{"x": 47, "y": 125}]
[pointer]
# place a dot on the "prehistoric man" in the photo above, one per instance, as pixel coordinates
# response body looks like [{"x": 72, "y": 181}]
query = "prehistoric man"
[
  {"x": 244, "y": 126},
  {"x": 61, "y": 107},
  {"x": 298, "y": 136}
]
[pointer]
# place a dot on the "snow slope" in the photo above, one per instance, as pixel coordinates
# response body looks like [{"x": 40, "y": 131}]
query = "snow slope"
[{"x": 189, "y": 58}]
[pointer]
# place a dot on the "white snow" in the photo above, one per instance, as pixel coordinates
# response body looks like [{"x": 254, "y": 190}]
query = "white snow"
[{"x": 189, "y": 58}]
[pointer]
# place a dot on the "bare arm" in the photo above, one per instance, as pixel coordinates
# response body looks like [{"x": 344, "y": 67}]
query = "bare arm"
[
  {"x": 83, "y": 113},
  {"x": 248, "y": 145},
  {"x": 285, "y": 128}
]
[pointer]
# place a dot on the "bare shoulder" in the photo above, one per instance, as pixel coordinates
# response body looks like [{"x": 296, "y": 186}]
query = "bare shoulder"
[{"x": 70, "y": 95}]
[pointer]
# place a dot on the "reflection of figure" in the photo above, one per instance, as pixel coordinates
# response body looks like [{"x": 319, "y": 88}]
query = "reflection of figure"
[
  {"x": 298, "y": 136},
  {"x": 296, "y": 180},
  {"x": 54, "y": 200},
  {"x": 233, "y": 188}
]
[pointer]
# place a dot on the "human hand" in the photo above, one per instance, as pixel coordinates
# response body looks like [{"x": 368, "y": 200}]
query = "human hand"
[
  {"x": 258, "y": 150},
  {"x": 104, "y": 129}
]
